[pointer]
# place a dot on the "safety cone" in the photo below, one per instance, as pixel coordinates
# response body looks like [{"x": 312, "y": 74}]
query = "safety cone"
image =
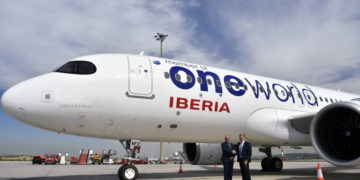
[
  {"x": 180, "y": 170},
  {"x": 319, "y": 173}
]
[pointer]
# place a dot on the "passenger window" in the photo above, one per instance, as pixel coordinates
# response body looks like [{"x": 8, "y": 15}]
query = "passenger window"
[
  {"x": 245, "y": 87},
  {"x": 320, "y": 98},
  {"x": 308, "y": 96},
  {"x": 261, "y": 89},
  {"x": 78, "y": 67},
  {"x": 237, "y": 86},
  {"x": 253, "y": 88},
  {"x": 331, "y": 100},
  {"x": 199, "y": 80},
  {"x": 177, "y": 77},
  {"x": 218, "y": 83},
  {"x": 189, "y": 78},
  {"x": 269, "y": 91},
  {"x": 326, "y": 100},
  {"x": 167, "y": 75},
  {"x": 209, "y": 81},
  {"x": 276, "y": 92},
  {"x": 289, "y": 93},
  {"x": 282, "y": 92},
  {"x": 228, "y": 85}
]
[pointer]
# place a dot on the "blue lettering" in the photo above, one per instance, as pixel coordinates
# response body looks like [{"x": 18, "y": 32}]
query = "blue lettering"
[
  {"x": 309, "y": 99},
  {"x": 230, "y": 81},
  {"x": 183, "y": 85},
  {"x": 298, "y": 94},
  {"x": 204, "y": 85},
  {"x": 294, "y": 94},
  {"x": 258, "y": 86},
  {"x": 277, "y": 94},
  {"x": 240, "y": 92}
]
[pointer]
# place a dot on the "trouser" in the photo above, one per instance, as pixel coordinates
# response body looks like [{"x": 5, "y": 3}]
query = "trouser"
[
  {"x": 244, "y": 170},
  {"x": 228, "y": 170}
]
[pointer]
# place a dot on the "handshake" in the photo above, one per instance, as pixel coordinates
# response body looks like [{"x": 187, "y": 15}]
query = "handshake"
[{"x": 232, "y": 157}]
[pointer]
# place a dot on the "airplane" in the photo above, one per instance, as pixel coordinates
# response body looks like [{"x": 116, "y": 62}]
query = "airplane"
[{"x": 134, "y": 98}]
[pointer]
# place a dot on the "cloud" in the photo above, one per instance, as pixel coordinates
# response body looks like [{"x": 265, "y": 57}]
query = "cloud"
[
  {"x": 38, "y": 36},
  {"x": 315, "y": 42}
]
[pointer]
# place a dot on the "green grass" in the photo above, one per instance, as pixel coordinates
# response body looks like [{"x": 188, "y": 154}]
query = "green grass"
[{"x": 16, "y": 158}]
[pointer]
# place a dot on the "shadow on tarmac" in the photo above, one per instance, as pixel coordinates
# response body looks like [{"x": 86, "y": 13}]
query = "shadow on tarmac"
[{"x": 330, "y": 173}]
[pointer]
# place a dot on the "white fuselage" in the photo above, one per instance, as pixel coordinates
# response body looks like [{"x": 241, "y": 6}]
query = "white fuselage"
[{"x": 157, "y": 99}]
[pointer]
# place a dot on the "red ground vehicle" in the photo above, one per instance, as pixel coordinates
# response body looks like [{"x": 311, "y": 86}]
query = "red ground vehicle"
[
  {"x": 74, "y": 160},
  {"x": 51, "y": 158},
  {"x": 38, "y": 159}
]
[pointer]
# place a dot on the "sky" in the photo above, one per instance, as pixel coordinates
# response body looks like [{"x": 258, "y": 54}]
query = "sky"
[{"x": 314, "y": 42}]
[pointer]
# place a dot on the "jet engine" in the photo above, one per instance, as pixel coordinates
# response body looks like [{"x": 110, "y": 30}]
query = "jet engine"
[
  {"x": 203, "y": 153},
  {"x": 335, "y": 133}
]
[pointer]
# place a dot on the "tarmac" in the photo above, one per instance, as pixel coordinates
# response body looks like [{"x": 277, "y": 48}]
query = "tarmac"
[{"x": 292, "y": 170}]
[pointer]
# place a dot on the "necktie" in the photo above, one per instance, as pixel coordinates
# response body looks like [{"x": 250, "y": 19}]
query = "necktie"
[{"x": 240, "y": 149}]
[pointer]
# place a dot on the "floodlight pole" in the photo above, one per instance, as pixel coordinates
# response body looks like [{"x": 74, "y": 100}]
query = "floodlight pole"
[
  {"x": 161, "y": 51},
  {"x": 161, "y": 37}
]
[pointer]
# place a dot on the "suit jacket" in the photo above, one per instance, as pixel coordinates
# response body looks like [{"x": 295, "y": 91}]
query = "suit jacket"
[
  {"x": 246, "y": 151},
  {"x": 227, "y": 151}
]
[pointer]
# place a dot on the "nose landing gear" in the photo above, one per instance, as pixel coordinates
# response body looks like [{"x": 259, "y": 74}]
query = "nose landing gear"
[
  {"x": 270, "y": 163},
  {"x": 129, "y": 171}
]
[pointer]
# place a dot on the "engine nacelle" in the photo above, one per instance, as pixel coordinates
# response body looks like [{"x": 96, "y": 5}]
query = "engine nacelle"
[
  {"x": 335, "y": 133},
  {"x": 203, "y": 153}
]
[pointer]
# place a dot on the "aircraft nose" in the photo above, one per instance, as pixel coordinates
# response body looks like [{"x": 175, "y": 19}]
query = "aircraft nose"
[{"x": 13, "y": 102}]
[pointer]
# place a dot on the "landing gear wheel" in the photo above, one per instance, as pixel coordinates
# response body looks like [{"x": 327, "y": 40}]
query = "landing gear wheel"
[
  {"x": 265, "y": 164},
  {"x": 276, "y": 164},
  {"x": 270, "y": 163},
  {"x": 128, "y": 172}
]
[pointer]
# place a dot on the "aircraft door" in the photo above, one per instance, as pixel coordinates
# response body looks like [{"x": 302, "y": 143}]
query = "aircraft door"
[{"x": 140, "y": 77}]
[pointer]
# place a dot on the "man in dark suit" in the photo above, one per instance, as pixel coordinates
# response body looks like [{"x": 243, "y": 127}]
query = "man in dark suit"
[
  {"x": 228, "y": 158},
  {"x": 243, "y": 150}
]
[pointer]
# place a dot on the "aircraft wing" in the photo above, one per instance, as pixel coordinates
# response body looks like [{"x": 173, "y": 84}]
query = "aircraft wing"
[{"x": 302, "y": 122}]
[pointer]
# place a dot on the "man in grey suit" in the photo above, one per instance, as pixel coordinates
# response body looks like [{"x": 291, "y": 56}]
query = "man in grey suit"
[{"x": 243, "y": 150}]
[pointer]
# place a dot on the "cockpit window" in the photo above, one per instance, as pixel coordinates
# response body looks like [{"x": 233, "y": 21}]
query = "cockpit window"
[{"x": 77, "y": 67}]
